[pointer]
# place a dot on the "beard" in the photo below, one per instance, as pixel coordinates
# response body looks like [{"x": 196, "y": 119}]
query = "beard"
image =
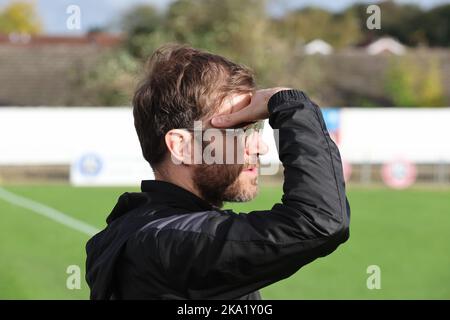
[{"x": 221, "y": 182}]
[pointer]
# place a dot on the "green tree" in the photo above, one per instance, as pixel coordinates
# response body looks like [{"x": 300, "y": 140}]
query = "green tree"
[
  {"x": 401, "y": 80},
  {"x": 141, "y": 19},
  {"x": 238, "y": 29},
  {"x": 412, "y": 83},
  {"x": 112, "y": 81},
  {"x": 435, "y": 26},
  {"x": 408, "y": 23},
  {"x": 311, "y": 23},
  {"x": 400, "y": 22},
  {"x": 431, "y": 88},
  {"x": 143, "y": 25}
]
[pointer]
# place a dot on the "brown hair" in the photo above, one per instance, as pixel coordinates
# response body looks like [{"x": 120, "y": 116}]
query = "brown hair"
[{"x": 182, "y": 85}]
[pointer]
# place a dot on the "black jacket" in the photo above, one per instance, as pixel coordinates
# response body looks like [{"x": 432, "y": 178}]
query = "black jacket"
[{"x": 166, "y": 243}]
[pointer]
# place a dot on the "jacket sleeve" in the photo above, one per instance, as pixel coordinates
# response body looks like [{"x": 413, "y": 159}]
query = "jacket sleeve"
[{"x": 236, "y": 254}]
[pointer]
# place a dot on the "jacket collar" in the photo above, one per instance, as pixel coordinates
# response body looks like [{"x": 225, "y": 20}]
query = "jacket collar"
[{"x": 173, "y": 195}]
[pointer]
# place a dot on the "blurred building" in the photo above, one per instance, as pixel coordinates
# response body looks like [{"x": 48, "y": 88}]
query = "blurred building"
[{"x": 44, "y": 70}]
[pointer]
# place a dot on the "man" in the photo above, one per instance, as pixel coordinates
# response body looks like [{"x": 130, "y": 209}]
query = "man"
[{"x": 173, "y": 240}]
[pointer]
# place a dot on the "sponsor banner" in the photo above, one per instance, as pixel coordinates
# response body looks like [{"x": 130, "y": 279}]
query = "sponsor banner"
[{"x": 95, "y": 169}]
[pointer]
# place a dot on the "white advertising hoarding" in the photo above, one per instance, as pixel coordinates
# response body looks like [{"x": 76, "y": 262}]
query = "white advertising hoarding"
[
  {"x": 420, "y": 135},
  {"x": 102, "y": 147}
]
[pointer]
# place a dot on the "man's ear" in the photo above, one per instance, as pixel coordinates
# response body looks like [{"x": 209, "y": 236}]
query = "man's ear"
[{"x": 179, "y": 144}]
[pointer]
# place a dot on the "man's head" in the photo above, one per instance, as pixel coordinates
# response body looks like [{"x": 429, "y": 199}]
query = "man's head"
[{"x": 185, "y": 85}]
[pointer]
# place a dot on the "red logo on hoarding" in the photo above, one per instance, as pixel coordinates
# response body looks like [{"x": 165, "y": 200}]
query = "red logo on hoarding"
[{"x": 399, "y": 174}]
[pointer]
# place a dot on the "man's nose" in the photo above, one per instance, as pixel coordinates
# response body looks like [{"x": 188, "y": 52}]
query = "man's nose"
[{"x": 256, "y": 145}]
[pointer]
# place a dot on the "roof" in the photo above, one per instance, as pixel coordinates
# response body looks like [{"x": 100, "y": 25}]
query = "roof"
[
  {"x": 318, "y": 46},
  {"x": 97, "y": 38},
  {"x": 386, "y": 44}
]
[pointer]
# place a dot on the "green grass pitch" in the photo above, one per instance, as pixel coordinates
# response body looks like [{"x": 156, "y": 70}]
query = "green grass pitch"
[{"x": 406, "y": 233}]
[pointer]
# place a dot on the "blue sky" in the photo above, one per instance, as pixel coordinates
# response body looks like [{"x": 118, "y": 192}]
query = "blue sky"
[{"x": 104, "y": 12}]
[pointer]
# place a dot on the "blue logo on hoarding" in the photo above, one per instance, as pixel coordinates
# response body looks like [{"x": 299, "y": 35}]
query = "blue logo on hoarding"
[
  {"x": 90, "y": 164},
  {"x": 332, "y": 118}
]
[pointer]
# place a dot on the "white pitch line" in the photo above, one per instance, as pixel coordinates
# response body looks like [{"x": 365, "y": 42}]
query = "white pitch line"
[{"x": 48, "y": 212}]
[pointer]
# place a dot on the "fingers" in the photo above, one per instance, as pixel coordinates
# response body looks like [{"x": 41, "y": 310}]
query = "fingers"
[
  {"x": 239, "y": 107},
  {"x": 230, "y": 120},
  {"x": 242, "y": 111},
  {"x": 238, "y": 102}
]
